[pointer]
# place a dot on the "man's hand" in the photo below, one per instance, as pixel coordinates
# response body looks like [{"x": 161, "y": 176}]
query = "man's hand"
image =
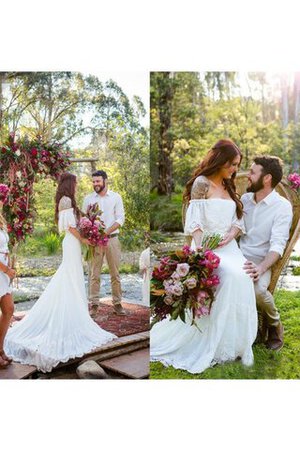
[{"x": 253, "y": 270}]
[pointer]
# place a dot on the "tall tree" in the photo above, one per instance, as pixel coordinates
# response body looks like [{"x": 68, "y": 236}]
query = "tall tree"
[{"x": 161, "y": 102}]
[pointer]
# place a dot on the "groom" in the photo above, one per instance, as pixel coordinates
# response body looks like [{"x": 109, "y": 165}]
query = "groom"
[
  {"x": 268, "y": 217},
  {"x": 110, "y": 203}
]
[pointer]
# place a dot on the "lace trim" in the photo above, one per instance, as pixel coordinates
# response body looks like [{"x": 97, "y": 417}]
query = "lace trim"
[
  {"x": 64, "y": 203},
  {"x": 200, "y": 188}
]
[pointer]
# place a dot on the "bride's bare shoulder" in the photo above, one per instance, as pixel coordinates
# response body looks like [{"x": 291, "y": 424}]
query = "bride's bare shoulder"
[{"x": 200, "y": 188}]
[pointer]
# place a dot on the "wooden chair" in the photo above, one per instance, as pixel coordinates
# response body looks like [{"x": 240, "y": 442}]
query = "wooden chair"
[{"x": 283, "y": 189}]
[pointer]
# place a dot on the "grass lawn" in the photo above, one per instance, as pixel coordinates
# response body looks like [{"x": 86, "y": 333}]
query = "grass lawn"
[{"x": 268, "y": 364}]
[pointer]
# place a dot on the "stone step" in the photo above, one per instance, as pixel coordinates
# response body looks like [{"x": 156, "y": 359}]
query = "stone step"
[{"x": 133, "y": 365}]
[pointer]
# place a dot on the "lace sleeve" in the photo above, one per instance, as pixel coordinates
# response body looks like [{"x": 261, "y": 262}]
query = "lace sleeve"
[
  {"x": 200, "y": 188},
  {"x": 64, "y": 203}
]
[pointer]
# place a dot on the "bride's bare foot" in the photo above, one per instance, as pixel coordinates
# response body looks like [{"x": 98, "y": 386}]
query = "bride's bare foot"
[
  {"x": 3, "y": 363},
  {"x": 4, "y": 357}
]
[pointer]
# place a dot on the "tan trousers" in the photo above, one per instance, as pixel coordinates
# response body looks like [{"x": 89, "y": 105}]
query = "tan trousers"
[
  {"x": 265, "y": 300},
  {"x": 112, "y": 254}
]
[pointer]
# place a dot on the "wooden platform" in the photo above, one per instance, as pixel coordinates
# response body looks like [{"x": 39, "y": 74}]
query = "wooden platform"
[
  {"x": 115, "y": 348},
  {"x": 17, "y": 371},
  {"x": 133, "y": 365}
]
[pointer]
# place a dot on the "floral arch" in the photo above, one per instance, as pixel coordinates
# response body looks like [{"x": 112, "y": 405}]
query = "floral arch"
[{"x": 22, "y": 162}]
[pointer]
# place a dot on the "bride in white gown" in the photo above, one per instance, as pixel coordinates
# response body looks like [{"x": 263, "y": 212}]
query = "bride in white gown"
[
  {"x": 58, "y": 327},
  {"x": 230, "y": 330}
]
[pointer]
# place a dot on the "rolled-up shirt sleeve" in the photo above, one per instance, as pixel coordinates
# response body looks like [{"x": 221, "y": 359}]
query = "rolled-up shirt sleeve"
[
  {"x": 281, "y": 228},
  {"x": 119, "y": 211}
]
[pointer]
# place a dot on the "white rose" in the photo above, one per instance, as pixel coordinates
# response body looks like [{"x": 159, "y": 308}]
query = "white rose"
[{"x": 18, "y": 153}]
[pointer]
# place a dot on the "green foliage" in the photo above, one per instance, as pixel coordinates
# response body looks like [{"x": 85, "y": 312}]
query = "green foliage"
[
  {"x": 63, "y": 105},
  {"x": 296, "y": 271},
  {"x": 208, "y": 106},
  {"x": 52, "y": 243},
  {"x": 268, "y": 364},
  {"x": 166, "y": 212}
]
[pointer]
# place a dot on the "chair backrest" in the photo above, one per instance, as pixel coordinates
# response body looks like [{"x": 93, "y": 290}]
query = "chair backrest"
[{"x": 283, "y": 189}]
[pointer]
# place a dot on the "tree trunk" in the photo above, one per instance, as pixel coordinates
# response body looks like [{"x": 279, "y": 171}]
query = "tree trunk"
[{"x": 165, "y": 141}]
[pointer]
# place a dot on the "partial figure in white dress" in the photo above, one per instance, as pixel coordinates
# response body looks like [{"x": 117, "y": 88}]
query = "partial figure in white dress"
[
  {"x": 7, "y": 274},
  {"x": 144, "y": 266},
  {"x": 230, "y": 330},
  {"x": 58, "y": 327}
]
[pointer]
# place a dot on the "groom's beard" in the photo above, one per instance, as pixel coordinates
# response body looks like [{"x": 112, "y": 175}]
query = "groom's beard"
[
  {"x": 257, "y": 186},
  {"x": 99, "y": 189}
]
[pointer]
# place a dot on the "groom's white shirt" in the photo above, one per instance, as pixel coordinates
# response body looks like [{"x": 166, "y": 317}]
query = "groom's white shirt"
[
  {"x": 267, "y": 225},
  {"x": 111, "y": 204}
]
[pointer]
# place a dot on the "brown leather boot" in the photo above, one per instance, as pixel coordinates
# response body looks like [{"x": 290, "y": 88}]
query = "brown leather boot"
[
  {"x": 262, "y": 330},
  {"x": 118, "y": 309},
  {"x": 275, "y": 338}
]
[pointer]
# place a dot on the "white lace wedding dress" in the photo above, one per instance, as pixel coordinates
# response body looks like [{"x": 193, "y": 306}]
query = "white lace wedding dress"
[
  {"x": 230, "y": 329},
  {"x": 58, "y": 327}
]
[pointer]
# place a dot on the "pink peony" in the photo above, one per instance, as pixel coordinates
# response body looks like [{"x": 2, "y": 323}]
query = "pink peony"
[
  {"x": 212, "y": 261},
  {"x": 211, "y": 281}
]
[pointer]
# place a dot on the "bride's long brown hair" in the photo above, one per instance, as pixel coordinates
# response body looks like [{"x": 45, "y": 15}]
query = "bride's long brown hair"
[
  {"x": 3, "y": 224},
  {"x": 222, "y": 152},
  {"x": 66, "y": 187}
]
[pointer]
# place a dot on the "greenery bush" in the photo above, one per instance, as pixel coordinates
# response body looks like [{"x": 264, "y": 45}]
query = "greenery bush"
[{"x": 165, "y": 212}]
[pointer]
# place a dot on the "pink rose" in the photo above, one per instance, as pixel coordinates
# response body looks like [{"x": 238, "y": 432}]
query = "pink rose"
[
  {"x": 191, "y": 283},
  {"x": 182, "y": 269},
  {"x": 177, "y": 289},
  {"x": 169, "y": 300},
  {"x": 175, "y": 276}
]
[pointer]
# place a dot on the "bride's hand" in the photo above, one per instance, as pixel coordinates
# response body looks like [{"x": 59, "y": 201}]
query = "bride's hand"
[
  {"x": 226, "y": 239},
  {"x": 11, "y": 273},
  {"x": 85, "y": 241}
]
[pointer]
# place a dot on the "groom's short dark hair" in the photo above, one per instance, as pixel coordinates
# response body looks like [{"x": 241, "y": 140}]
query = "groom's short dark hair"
[
  {"x": 100, "y": 173},
  {"x": 271, "y": 165}
]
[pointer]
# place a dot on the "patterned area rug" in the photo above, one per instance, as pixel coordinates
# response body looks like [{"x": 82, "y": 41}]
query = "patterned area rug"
[{"x": 136, "y": 319}]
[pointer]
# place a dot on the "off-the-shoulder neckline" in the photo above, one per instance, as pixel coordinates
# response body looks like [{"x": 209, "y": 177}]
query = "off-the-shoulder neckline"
[{"x": 213, "y": 198}]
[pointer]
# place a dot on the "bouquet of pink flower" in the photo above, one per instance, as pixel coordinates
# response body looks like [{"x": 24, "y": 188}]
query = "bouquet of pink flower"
[
  {"x": 92, "y": 228},
  {"x": 184, "y": 280},
  {"x": 294, "y": 179}
]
